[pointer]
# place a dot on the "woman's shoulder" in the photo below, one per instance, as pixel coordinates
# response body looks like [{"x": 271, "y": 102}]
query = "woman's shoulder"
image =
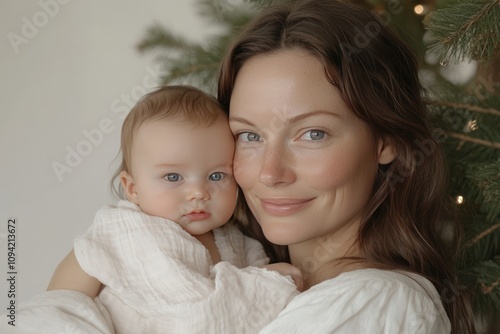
[
  {"x": 365, "y": 284},
  {"x": 377, "y": 279},
  {"x": 367, "y": 300}
]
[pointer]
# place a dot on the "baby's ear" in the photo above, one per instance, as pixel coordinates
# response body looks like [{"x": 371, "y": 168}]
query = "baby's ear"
[
  {"x": 386, "y": 151},
  {"x": 129, "y": 186}
]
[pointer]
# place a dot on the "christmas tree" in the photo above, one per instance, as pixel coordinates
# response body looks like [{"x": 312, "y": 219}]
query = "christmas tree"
[
  {"x": 458, "y": 43},
  {"x": 470, "y": 115}
]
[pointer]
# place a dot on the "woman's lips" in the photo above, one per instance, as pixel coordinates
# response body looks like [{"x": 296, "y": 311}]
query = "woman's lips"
[
  {"x": 283, "y": 206},
  {"x": 196, "y": 216}
]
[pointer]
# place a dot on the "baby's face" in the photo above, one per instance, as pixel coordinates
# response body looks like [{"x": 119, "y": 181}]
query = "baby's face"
[{"x": 184, "y": 173}]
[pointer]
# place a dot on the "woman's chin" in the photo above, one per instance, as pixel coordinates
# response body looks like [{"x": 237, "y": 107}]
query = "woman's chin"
[{"x": 281, "y": 237}]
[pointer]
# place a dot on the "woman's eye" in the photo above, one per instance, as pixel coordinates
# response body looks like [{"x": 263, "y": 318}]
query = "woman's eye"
[
  {"x": 248, "y": 136},
  {"x": 313, "y": 135},
  {"x": 173, "y": 177},
  {"x": 216, "y": 176}
]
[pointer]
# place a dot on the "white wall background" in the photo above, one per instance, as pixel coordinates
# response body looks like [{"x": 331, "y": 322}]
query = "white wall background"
[{"x": 74, "y": 70}]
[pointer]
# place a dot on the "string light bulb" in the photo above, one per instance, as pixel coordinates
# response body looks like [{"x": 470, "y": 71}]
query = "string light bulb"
[
  {"x": 419, "y": 9},
  {"x": 459, "y": 199},
  {"x": 472, "y": 125}
]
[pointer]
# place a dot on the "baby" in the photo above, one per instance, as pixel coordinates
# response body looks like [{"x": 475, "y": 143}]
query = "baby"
[{"x": 170, "y": 258}]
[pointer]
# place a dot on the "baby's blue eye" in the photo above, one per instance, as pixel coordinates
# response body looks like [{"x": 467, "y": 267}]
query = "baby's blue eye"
[
  {"x": 172, "y": 177},
  {"x": 217, "y": 176},
  {"x": 313, "y": 135},
  {"x": 248, "y": 136}
]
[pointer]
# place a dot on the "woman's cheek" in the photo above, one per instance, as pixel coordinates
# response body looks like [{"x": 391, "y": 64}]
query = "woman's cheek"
[{"x": 245, "y": 164}]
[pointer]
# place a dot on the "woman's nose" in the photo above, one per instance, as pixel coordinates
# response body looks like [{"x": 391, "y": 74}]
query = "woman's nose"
[{"x": 276, "y": 166}]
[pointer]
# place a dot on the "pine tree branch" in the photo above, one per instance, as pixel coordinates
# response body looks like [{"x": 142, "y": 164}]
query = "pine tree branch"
[
  {"x": 195, "y": 68},
  {"x": 481, "y": 184},
  {"x": 187, "y": 70},
  {"x": 487, "y": 289},
  {"x": 490, "y": 111},
  {"x": 482, "y": 235},
  {"x": 483, "y": 142},
  {"x": 468, "y": 29},
  {"x": 462, "y": 30},
  {"x": 158, "y": 37}
]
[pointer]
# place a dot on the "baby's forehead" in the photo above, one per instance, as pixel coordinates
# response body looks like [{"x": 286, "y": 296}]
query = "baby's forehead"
[
  {"x": 178, "y": 126},
  {"x": 173, "y": 135},
  {"x": 183, "y": 149}
]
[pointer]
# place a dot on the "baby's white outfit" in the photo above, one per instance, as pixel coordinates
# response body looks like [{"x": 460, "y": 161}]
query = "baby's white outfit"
[{"x": 159, "y": 279}]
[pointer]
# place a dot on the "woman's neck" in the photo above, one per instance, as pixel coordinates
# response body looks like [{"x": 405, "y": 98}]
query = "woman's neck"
[{"x": 317, "y": 257}]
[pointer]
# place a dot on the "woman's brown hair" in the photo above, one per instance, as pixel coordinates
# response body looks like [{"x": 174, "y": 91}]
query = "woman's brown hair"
[{"x": 408, "y": 223}]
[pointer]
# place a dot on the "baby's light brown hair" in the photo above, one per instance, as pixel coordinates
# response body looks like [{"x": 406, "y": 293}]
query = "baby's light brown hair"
[{"x": 185, "y": 103}]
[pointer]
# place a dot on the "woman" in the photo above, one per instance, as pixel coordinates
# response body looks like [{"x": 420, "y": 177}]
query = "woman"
[{"x": 336, "y": 160}]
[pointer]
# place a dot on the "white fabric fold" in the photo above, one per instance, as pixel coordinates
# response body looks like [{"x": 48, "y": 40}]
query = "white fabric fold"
[
  {"x": 57, "y": 312},
  {"x": 160, "y": 279}
]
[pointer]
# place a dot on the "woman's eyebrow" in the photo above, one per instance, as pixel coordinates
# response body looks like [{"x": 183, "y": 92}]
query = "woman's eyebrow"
[
  {"x": 310, "y": 114},
  {"x": 289, "y": 120},
  {"x": 240, "y": 120}
]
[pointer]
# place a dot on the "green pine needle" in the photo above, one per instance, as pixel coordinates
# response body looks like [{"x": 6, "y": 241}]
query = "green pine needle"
[{"x": 468, "y": 29}]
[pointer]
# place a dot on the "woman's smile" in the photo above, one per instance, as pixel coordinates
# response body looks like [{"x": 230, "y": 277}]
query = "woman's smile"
[{"x": 283, "y": 206}]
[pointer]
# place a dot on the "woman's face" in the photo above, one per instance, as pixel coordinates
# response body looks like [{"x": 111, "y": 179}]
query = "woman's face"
[{"x": 304, "y": 161}]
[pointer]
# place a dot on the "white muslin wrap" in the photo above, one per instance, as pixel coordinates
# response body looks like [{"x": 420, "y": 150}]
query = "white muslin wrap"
[{"x": 159, "y": 279}]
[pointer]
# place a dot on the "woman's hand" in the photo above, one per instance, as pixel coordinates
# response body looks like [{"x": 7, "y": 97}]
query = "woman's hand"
[{"x": 286, "y": 269}]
